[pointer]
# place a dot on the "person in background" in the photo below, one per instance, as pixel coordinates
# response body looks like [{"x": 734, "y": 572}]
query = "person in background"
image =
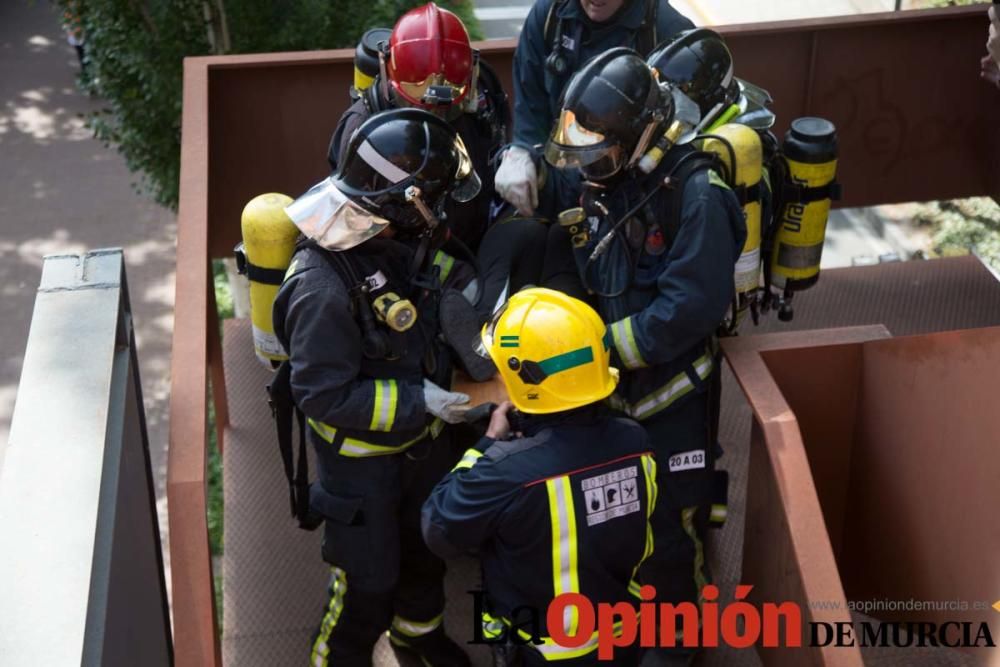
[
  {"x": 557, "y": 38},
  {"x": 73, "y": 27}
]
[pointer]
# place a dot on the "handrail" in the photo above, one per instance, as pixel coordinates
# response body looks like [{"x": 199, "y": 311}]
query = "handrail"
[
  {"x": 81, "y": 566},
  {"x": 195, "y": 627}
]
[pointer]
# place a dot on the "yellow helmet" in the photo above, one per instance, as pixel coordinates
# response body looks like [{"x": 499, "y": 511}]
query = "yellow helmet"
[{"x": 551, "y": 351}]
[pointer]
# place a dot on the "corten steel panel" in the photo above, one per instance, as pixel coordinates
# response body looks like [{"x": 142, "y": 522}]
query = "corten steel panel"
[
  {"x": 785, "y": 557},
  {"x": 903, "y": 91},
  {"x": 914, "y": 473},
  {"x": 193, "y": 600},
  {"x": 825, "y": 402},
  {"x": 925, "y": 477}
]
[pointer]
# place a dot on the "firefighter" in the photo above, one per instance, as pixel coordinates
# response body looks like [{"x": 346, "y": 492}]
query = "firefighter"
[
  {"x": 357, "y": 316},
  {"x": 428, "y": 63},
  {"x": 561, "y": 502},
  {"x": 658, "y": 250},
  {"x": 557, "y": 38}
]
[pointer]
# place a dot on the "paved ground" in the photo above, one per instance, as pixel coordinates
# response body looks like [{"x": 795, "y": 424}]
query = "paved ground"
[{"x": 62, "y": 191}]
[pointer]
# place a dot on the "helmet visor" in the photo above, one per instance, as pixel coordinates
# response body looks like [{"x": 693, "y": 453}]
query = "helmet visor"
[
  {"x": 485, "y": 346},
  {"x": 573, "y": 146},
  {"x": 434, "y": 91},
  {"x": 329, "y": 217},
  {"x": 467, "y": 183}
]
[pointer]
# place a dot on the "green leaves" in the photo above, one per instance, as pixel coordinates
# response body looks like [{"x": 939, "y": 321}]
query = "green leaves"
[{"x": 136, "y": 50}]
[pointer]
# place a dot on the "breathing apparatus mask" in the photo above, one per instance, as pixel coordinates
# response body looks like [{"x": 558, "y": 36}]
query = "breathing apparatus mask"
[{"x": 593, "y": 135}]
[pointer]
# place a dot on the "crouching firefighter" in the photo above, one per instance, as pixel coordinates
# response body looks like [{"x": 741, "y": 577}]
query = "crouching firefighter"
[
  {"x": 559, "y": 504},
  {"x": 658, "y": 251},
  {"x": 357, "y": 316}
]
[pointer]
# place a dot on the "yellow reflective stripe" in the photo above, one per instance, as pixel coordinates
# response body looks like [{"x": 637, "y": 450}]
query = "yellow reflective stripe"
[
  {"x": 415, "y": 628},
  {"x": 386, "y": 399},
  {"x": 652, "y": 490},
  {"x": 719, "y": 514},
  {"x": 290, "y": 271},
  {"x": 687, "y": 521},
  {"x": 444, "y": 262},
  {"x": 468, "y": 459},
  {"x": 324, "y": 431},
  {"x": 715, "y": 179},
  {"x": 550, "y": 650},
  {"x": 377, "y": 409},
  {"x": 492, "y": 627},
  {"x": 665, "y": 396},
  {"x": 565, "y": 578},
  {"x": 359, "y": 448},
  {"x": 625, "y": 343},
  {"x": 338, "y": 590},
  {"x": 649, "y": 472},
  {"x": 633, "y": 588},
  {"x": 436, "y": 427}
]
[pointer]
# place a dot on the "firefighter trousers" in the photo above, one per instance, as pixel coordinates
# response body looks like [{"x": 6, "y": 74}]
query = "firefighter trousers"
[
  {"x": 685, "y": 463},
  {"x": 382, "y": 574}
]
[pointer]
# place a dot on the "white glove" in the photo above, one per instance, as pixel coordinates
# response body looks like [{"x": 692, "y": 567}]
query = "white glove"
[
  {"x": 517, "y": 181},
  {"x": 448, "y": 405}
]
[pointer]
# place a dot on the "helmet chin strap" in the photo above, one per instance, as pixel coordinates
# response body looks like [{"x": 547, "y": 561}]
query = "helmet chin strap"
[
  {"x": 429, "y": 236},
  {"x": 412, "y": 195}
]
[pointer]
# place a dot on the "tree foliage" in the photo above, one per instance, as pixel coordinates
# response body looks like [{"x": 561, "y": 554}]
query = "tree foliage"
[{"x": 136, "y": 49}]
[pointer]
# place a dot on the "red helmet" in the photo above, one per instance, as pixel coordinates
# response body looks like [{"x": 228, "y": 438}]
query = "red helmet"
[{"x": 430, "y": 59}]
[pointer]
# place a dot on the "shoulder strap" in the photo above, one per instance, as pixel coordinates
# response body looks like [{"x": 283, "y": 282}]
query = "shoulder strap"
[
  {"x": 551, "y": 19},
  {"x": 497, "y": 114},
  {"x": 648, "y": 36},
  {"x": 284, "y": 410},
  {"x": 679, "y": 173}
]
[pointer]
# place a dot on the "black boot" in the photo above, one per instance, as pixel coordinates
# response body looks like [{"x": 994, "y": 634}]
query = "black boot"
[
  {"x": 461, "y": 326},
  {"x": 435, "y": 649}
]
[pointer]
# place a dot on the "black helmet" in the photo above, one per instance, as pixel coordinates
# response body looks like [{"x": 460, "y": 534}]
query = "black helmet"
[
  {"x": 611, "y": 109},
  {"x": 401, "y": 164},
  {"x": 699, "y": 63}
]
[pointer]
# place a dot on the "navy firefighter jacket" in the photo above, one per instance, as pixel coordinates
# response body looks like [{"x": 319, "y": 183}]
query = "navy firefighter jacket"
[
  {"x": 563, "y": 509},
  {"x": 357, "y": 406},
  {"x": 664, "y": 285}
]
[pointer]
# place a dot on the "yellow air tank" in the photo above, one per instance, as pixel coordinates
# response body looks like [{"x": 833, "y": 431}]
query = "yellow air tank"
[
  {"x": 268, "y": 244},
  {"x": 743, "y": 143}
]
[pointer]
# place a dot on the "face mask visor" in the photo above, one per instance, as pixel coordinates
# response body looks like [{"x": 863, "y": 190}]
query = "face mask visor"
[
  {"x": 572, "y": 146},
  {"x": 486, "y": 337},
  {"x": 467, "y": 183},
  {"x": 327, "y": 216}
]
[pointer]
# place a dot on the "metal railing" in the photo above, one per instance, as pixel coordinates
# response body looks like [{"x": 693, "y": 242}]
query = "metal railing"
[{"x": 81, "y": 566}]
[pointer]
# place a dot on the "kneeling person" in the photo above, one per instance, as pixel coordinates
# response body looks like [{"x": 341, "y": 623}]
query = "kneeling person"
[{"x": 563, "y": 505}]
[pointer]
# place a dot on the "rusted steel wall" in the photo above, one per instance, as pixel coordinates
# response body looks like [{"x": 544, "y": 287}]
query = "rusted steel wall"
[
  {"x": 914, "y": 119},
  {"x": 787, "y": 554},
  {"x": 874, "y": 473},
  {"x": 903, "y": 89}
]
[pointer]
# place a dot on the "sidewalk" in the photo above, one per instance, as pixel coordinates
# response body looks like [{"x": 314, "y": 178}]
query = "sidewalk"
[{"x": 62, "y": 191}]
